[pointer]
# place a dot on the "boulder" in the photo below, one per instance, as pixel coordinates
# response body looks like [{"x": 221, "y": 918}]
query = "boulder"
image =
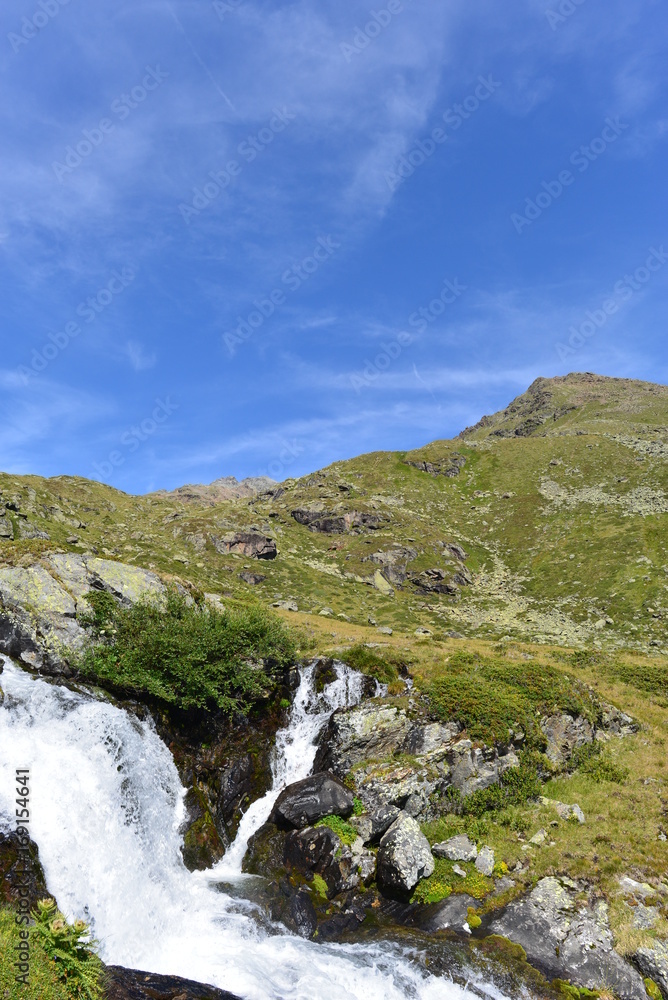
[
  {"x": 251, "y": 544},
  {"x": 372, "y": 826},
  {"x": 366, "y": 732},
  {"x": 565, "y": 939},
  {"x": 457, "y": 848},
  {"x": 404, "y": 857},
  {"x": 653, "y": 963},
  {"x": 476, "y": 768},
  {"x": 318, "y": 851},
  {"x": 485, "y": 861},
  {"x": 450, "y": 914},
  {"x": 307, "y": 801},
  {"x": 315, "y": 518},
  {"x": 564, "y": 734},
  {"x": 129, "y": 984}
]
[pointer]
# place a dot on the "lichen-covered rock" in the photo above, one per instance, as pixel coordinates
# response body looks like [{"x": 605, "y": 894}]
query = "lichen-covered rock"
[
  {"x": 653, "y": 963},
  {"x": 477, "y": 768},
  {"x": 364, "y": 733},
  {"x": 371, "y": 826},
  {"x": 319, "y": 851},
  {"x": 568, "y": 940},
  {"x": 404, "y": 857},
  {"x": 564, "y": 734},
  {"x": 304, "y": 802},
  {"x": 458, "y": 848},
  {"x": 485, "y": 861},
  {"x": 250, "y": 544}
]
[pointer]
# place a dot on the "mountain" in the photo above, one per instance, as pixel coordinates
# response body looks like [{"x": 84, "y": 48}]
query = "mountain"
[{"x": 543, "y": 522}]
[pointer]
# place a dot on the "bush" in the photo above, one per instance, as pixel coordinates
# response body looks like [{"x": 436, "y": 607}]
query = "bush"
[
  {"x": 186, "y": 655},
  {"x": 597, "y": 763},
  {"x": 517, "y": 786},
  {"x": 383, "y": 668}
]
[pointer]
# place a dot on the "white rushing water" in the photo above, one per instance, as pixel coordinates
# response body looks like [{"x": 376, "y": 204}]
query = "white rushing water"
[
  {"x": 106, "y": 808},
  {"x": 294, "y": 751}
]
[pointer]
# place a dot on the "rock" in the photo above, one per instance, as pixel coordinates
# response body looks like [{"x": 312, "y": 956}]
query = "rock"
[
  {"x": 449, "y": 467},
  {"x": 382, "y": 585},
  {"x": 653, "y": 963},
  {"x": 385, "y": 630},
  {"x": 570, "y": 812},
  {"x": 302, "y": 916},
  {"x": 485, "y": 861},
  {"x": 423, "y": 631},
  {"x": 251, "y": 544},
  {"x": 564, "y": 734},
  {"x": 404, "y": 857},
  {"x": 252, "y": 579},
  {"x": 265, "y": 854},
  {"x": 318, "y": 851},
  {"x": 326, "y": 613},
  {"x": 475, "y": 768},
  {"x": 458, "y": 848},
  {"x": 639, "y": 890},
  {"x": 83, "y": 573},
  {"x": 450, "y": 914},
  {"x": 372, "y": 826},
  {"x": 645, "y": 917},
  {"x": 20, "y": 877},
  {"x": 129, "y": 984},
  {"x": 364, "y": 733},
  {"x": 433, "y": 581},
  {"x": 394, "y": 562},
  {"x": 567, "y": 940},
  {"x": 458, "y": 870},
  {"x": 6, "y": 527},
  {"x": 286, "y": 605},
  {"x": 307, "y": 801},
  {"x": 538, "y": 838},
  {"x": 315, "y": 518},
  {"x": 28, "y": 530}
]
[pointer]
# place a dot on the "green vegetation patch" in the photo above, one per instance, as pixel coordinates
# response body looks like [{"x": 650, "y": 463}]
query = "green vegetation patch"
[
  {"x": 383, "y": 668},
  {"x": 63, "y": 964},
  {"x": 184, "y": 654},
  {"x": 319, "y": 886},
  {"x": 445, "y": 881},
  {"x": 490, "y": 696},
  {"x": 346, "y": 833},
  {"x": 597, "y": 763}
]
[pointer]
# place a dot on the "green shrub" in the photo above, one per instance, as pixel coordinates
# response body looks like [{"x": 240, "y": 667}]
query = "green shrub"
[
  {"x": 445, "y": 881},
  {"x": 489, "y": 696},
  {"x": 517, "y": 786},
  {"x": 186, "y": 655},
  {"x": 358, "y": 807},
  {"x": 71, "y": 949},
  {"x": 592, "y": 760},
  {"x": 360, "y": 657},
  {"x": 346, "y": 833}
]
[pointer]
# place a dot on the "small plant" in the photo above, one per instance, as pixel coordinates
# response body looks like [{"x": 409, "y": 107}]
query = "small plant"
[
  {"x": 383, "y": 668},
  {"x": 284, "y": 703},
  {"x": 358, "y": 807},
  {"x": 473, "y": 920},
  {"x": 652, "y": 990},
  {"x": 319, "y": 886},
  {"x": 71, "y": 948},
  {"x": 597, "y": 763},
  {"x": 346, "y": 833}
]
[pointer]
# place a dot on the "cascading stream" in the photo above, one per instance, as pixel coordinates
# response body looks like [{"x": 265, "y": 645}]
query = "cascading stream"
[
  {"x": 294, "y": 751},
  {"x": 106, "y": 808}
]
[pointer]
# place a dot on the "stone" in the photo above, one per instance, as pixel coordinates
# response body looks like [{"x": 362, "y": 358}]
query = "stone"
[
  {"x": 6, "y": 527},
  {"x": 458, "y": 870},
  {"x": 564, "y": 734},
  {"x": 458, "y": 848},
  {"x": 318, "y": 851},
  {"x": 252, "y": 579},
  {"x": 286, "y": 605},
  {"x": 653, "y": 963},
  {"x": 83, "y": 573},
  {"x": 385, "y": 630},
  {"x": 568, "y": 940},
  {"x": 423, "y": 631},
  {"x": 382, "y": 585},
  {"x": 316, "y": 518},
  {"x": 404, "y": 857},
  {"x": 645, "y": 917},
  {"x": 367, "y": 732},
  {"x": 485, "y": 861},
  {"x": 450, "y": 914},
  {"x": 475, "y": 769},
  {"x": 572, "y": 812},
  {"x": 538, "y": 838},
  {"x": 129, "y": 984},
  {"x": 251, "y": 544},
  {"x": 307, "y": 801}
]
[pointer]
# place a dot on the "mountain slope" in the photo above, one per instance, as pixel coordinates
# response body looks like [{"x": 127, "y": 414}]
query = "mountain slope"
[{"x": 545, "y": 522}]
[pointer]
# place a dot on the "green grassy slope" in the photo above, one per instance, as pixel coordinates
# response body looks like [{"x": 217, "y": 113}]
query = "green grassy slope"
[{"x": 559, "y": 502}]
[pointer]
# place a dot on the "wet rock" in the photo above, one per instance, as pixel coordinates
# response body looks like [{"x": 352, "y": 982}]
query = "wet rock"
[
  {"x": 319, "y": 851},
  {"x": 450, "y": 914},
  {"x": 568, "y": 940},
  {"x": 251, "y": 544},
  {"x": 21, "y": 873},
  {"x": 266, "y": 852},
  {"x": 457, "y": 848},
  {"x": 307, "y": 801},
  {"x": 129, "y": 984},
  {"x": 653, "y": 963},
  {"x": 404, "y": 857},
  {"x": 564, "y": 734}
]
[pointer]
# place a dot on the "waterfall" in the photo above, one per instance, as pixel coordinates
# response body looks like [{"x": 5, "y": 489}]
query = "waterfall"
[
  {"x": 106, "y": 807},
  {"x": 294, "y": 751}
]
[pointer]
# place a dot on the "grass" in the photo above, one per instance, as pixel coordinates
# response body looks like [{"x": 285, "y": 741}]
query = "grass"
[
  {"x": 346, "y": 833},
  {"x": 46, "y": 979},
  {"x": 445, "y": 881},
  {"x": 187, "y": 655}
]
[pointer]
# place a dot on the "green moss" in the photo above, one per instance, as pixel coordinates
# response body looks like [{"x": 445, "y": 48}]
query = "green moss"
[
  {"x": 319, "y": 886},
  {"x": 358, "y": 807},
  {"x": 346, "y": 833},
  {"x": 445, "y": 881},
  {"x": 652, "y": 990},
  {"x": 473, "y": 920}
]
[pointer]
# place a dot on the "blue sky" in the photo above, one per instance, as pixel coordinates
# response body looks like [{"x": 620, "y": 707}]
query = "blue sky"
[{"x": 252, "y": 237}]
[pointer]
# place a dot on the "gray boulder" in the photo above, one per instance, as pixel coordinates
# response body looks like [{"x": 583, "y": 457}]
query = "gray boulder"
[
  {"x": 477, "y": 768},
  {"x": 457, "y": 848},
  {"x": 485, "y": 861},
  {"x": 318, "y": 851},
  {"x": 564, "y": 734},
  {"x": 364, "y": 733},
  {"x": 372, "y": 826},
  {"x": 450, "y": 914},
  {"x": 305, "y": 802},
  {"x": 404, "y": 857},
  {"x": 251, "y": 544},
  {"x": 653, "y": 963},
  {"x": 568, "y": 940}
]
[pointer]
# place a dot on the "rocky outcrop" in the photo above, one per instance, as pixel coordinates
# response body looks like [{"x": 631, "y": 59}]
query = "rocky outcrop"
[
  {"x": 39, "y": 605},
  {"x": 566, "y": 939},
  {"x": 449, "y": 467},
  {"x": 564, "y": 734},
  {"x": 309, "y": 800},
  {"x": 394, "y": 562},
  {"x": 404, "y": 857},
  {"x": 316, "y": 518},
  {"x": 250, "y": 544},
  {"x": 319, "y": 851},
  {"x": 653, "y": 963},
  {"x": 129, "y": 984}
]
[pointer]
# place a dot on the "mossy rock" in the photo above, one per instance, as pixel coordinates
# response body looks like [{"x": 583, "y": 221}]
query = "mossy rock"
[{"x": 265, "y": 854}]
